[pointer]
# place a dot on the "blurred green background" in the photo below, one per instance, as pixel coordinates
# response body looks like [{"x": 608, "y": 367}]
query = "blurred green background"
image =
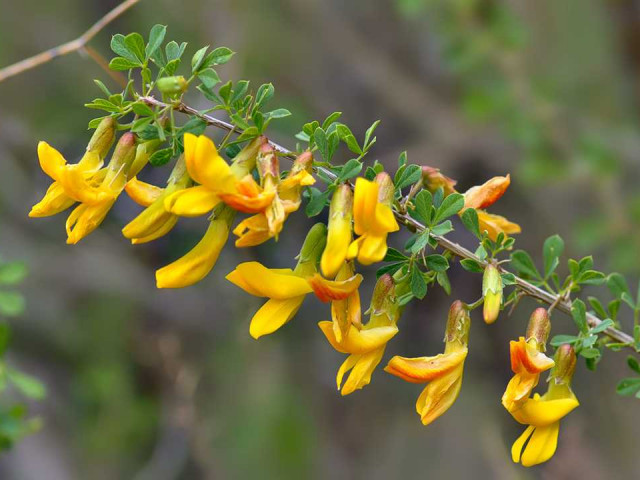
[{"x": 150, "y": 384}]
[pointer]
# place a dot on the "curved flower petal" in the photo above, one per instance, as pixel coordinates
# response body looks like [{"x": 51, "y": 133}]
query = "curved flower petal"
[
  {"x": 273, "y": 315},
  {"x": 249, "y": 197},
  {"x": 365, "y": 200},
  {"x": 425, "y": 369},
  {"x": 165, "y": 228},
  {"x": 142, "y": 193},
  {"x": 191, "y": 202},
  {"x": 541, "y": 447},
  {"x": 358, "y": 341},
  {"x": 494, "y": 224},
  {"x": 256, "y": 279},
  {"x": 362, "y": 367},
  {"x": 439, "y": 395},
  {"x": 528, "y": 357},
  {"x": 85, "y": 218},
  {"x": 539, "y": 412},
  {"x": 205, "y": 165},
  {"x": 518, "y": 445},
  {"x": 331, "y": 290},
  {"x": 54, "y": 201},
  {"x": 51, "y": 160},
  {"x": 485, "y": 195}
]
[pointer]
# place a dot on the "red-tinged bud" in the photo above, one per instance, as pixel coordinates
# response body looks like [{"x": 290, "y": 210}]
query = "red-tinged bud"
[
  {"x": 103, "y": 138},
  {"x": 492, "y": 293},
  {"x": 267, "y": 161},
  {"x": 458, "y": 323},
  {"x": 172, "y": 85},
  {"x": 539, "y": 327},
  {"x": 433, "y": 180}
]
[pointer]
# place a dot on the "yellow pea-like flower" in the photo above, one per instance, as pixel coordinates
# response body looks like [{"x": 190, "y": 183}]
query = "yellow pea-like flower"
[
  {"x": 199, "y": 261},
  {"x": 365, "y": 344},
  {"x": 443, "y": 372},
  {"x": 339, "y": 231},
  {"x": 154, "y": 221},
  {"x": 219, "y": 181},
  {"x": 373, "y": 218},
  {"x": 528, "y": 360},
  {"x": 542, "y": 414}
]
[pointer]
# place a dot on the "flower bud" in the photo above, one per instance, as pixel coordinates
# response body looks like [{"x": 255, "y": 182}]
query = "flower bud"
[
  {"x": 103, "y": 137},
  {"x": 539, "y": 327},
  {"x": 386, "y": 190},
  {"x": 339, "y": 231},
  {"x": 245, "y": 160},
  {"x": 492, "y": 293},
  {"x": 314, "y": 244},
  {"x": 458, "y": 323},
  {"x": 121, "y": 160},
  {"x": 432, "y": 180},
  {"x": 383, "y": 293},
  {"x": 143, "y": 153},
  {"x": 267, "y": 161},
  {"x": 172, "y": 85},
  {"x": 565, "y": 366}
]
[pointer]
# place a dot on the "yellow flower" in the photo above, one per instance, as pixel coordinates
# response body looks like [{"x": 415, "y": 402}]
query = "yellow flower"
[
  {"x": 365, "y": 344},
  {"x": 198, "y": 262},
  {"x": 286, "y": 288},
  {"x": 373, "y": 219},
  {"x": 255, "y": 230},
  {"x": 346, "y": 312},
  {"x": 443, "y": 371},
  {"x": 528, "y": 360},
  {"x": 543, "y": 414},
  {"x": 98, "y": 200},
  {"x": 339, "y": 231},
  {"x": 218, "y": 181},
  {"x": 53, "y": 164},
  {"x": 154, "y": 221},
  {"x": 485, "y": 195}
]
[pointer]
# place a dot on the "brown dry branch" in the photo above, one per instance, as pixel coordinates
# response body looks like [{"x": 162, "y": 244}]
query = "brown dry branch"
[
  {"x": 521, "y": 284},
  {"x": 77, "y": 45}
]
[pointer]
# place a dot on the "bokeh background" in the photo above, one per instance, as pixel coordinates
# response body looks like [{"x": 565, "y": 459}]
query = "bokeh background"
[{"x": 148, "y": 384}]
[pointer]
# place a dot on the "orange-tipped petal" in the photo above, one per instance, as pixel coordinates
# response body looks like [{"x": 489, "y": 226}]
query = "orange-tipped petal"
[
  {"x": 331, "y": 290},
  {"x": 425, "y": 369},
  {"x": 485, "y": 195}
]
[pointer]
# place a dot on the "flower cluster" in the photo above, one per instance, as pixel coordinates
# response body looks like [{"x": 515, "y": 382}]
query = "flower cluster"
[{"x": 361, "y": 215}]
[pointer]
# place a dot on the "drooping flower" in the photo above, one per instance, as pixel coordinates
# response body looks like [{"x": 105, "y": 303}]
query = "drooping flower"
[
  {"x": 255, "y": 230},
  {"x": 443, "y": 371},
  {"x": 339, "y": 231},
  {"x": 218, "y": 181},
  {"x": 542, "y": 414},
  {"x": 286, "y": 288},
  {"x": 198, "y": 262},
  {"x": 98, "y": 200},
  {"x": 57, "y": 198},
  {"x": 528, "y": 360},
  {"x": 365, "y": 344},
  {"x": 482, "y": 196},
  {"x": 154, "y": 221},
  {"x": 347, "y": 312},
  {"x": 432, "y": 180},
  {"x": 373, "y": 218},
  {"x": 492, "y": 293}
]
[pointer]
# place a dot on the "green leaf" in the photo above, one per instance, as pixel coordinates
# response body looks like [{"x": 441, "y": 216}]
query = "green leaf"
[
  {"x": 278, "y": 113},
  {"x": 471, "y": 265},
  {"x": 442, "y": 228},
  {"x": 394, "y": 255},
  {"x": 350, "y": 170},
  {"x": 418, "y": 283},
  {"x": 470, "y": 220},
  {"x": 451, "y": 205},
  {"x": 618, "y": 285},
  {"x": 597, "y": 306},
  {"x": 330, "y": 120},
  {"x": 552, "y": 250},
  {"x": 194, "y": 125},
  {"x": 602, "y": 326},
  {"x": 142, "y": 109},
  {"x": 402, "y": 159},
  {"x": 219, "y": 56},
  {"x": 562, "y": 339},
  {"x": 156, "y": 37},
  {"x": 320, "y": 138},
  {"x": 423, "y": 202},
  {"x": 11, "y": 303},
  {"x": 209, "y": 77},
  {"x": 198, "y": 58},
  {"x": 27, "y": 385},
  {"x": 135, "y": 44},
  {"x": 633, "y": 364},
  {"x": 317, "y": 201},
  {"x": 522, "y": 262},
  {"x": 443, "y": 280},
  {"x": 437, "y": 263},
  {"x": 12, "y": 273},
  {"x": 420, "y": 241},
  {"x": 579, "y": 314},
  {"x": 161, "y": 157},
  {"x": 591, "y": 277},
  {"x": 120, "y": 47},
  {"x": 590, "y": 353},
  {"x": 5, "y": 336},
  {"x": 406, "y": 176},
  {"x": 344, "y": 133},
  {"x": 174, "y": 51},
  {"x": 264, "y": 93},
  {"x": 390, "y": 269},
  {"x": 102, "y": 87},
  {"x": 120, "y": 64},
  {"x": 368, "y": 141},
  {"x": 628, "y": 386},
  {"x": 508, "y": 279}
]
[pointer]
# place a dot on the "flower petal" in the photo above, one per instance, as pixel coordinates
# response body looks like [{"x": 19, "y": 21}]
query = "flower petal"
[
  {"x": 142, "y": 193},
  {"x": 542, "y": 445},
  {"x": 518, "y": 445},
  {"x": 485, "y": 195},
  {"x": 359, "y": 341},
  {"x": 361, "y": 371},
  {"x": 273, "y": 315},
  {"x": 191, "y": 202},
  {"x": 425, "y": 369},
  {"x": 54, "y": 201},
  {"x": 439, "y": 395},
  {"x": 206, "y": 166},
  {"x": 331, "y": 290},
  {"x": 540, "y": 412},
  {"x": 255, "y": 279}
]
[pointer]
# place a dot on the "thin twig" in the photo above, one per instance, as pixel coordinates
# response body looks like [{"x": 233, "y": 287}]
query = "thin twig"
[
  {"x": 66, "y": 48},
  {"x": 524, "y": 286}
]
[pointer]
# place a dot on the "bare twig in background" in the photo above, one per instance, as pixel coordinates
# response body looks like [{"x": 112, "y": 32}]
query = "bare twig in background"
[
  {"x": 73, "y": 46},
  {"x": 526, "y": 287}
]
